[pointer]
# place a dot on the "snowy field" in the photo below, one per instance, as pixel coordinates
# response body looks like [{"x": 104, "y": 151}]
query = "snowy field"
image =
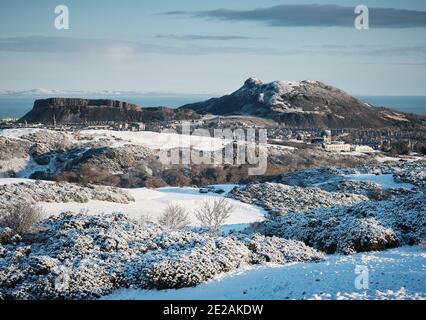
[
  {"x": 18, "y": 133},
  {"x": 393, "y": 274},
  {"x": 151, "y": 203},
  {"x": 153, "y": 140}
]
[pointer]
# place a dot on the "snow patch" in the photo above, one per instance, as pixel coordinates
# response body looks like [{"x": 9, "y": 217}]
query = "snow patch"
[{"x": 394, "y": 274}]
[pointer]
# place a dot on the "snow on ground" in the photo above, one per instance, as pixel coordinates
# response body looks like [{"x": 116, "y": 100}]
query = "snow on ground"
[
  {"x": 4, "y": 181},
  {"x": 381, "y": 157},
  {"x": 151, "y": 203},
  {"x": 386, "y": 181},
  {"x": 17, "y": 133},
  {"x": 153, "y": 140},
  {"x": 394, "y": 274}
]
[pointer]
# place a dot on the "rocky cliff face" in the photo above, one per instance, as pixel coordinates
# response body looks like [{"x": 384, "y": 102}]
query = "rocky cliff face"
[
  {"x": 65, "y": 110},
  {"x": 303, "y": 104},
  {"x": 83, "y": 103}
]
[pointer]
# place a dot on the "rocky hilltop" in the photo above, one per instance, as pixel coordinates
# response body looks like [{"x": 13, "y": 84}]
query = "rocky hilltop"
[
  {"x": 304, "y": 104},
  {"x": 66, "y": 110}
]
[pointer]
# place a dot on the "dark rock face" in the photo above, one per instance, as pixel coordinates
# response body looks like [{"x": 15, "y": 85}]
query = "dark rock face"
[
  {"x": 304, "y": 104},
  {"x": 62, "y": 102},
  {"x": 65, "y": 111}
]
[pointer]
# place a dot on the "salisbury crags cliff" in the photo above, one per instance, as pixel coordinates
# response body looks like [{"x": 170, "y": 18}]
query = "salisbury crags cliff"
[
  {"x": 304, "y": 104},
  {"x": 67, "y": 110}
]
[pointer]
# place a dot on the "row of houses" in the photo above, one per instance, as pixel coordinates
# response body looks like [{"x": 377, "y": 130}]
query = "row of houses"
[
  {"x": 340, "y": 146},
  {"x": 327, "y": 143}
]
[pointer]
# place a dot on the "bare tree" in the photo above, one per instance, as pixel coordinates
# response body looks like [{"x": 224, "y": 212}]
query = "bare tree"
[
  {"x": 213, "y": 214},
  {"x": 22, "y": 218},
  {"x": 174, "y": 217}
]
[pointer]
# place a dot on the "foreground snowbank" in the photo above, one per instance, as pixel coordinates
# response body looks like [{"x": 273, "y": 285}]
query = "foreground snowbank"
[
  {"x": 81, "y": 257},
  {"x": 393, "y": 274}
]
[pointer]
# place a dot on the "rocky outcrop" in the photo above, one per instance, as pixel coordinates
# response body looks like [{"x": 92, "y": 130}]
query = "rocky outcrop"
[
  {"x": 66, "y": 110},
  {"x": 13, "y": 156},
  {"x": 116, "y": 160},
  {"x": 304, "y": 104}
]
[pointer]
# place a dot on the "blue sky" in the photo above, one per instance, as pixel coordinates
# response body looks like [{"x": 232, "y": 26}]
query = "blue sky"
[{"x": 195, "y": 46}]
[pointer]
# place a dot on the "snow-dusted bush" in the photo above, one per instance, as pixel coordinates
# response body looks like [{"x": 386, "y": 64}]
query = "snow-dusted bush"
[
  {"x": 189, "y": 268},
  {"x": 8, "y": 236},
  {"x": 279, "y": 250},
  {"x": 413, "y": 172},
  {"x": 214, "y": 213},
  {"x": 365, "y": 226},
  {"x": 309, "y": 177},
  {"x": 174, "y": 217},
  {"x": 366, "y": 188},
  {"x": 216, "y": 255},
  {"x": 280, "y": 198},
  {"x": 79, "y": 256},
  {"x": 21, "y": 217},
  {"x": 38, "y": 191}
]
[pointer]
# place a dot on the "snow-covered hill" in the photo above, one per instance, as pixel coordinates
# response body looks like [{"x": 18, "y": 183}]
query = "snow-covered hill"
[{"x": 303, "y": 104}]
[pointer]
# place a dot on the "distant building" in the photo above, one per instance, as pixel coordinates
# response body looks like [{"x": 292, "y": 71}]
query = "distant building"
[
  {"x": 318, "y": 140},
  {"x": 325, "y": 138},
  {"x": 337, "y": 146},
  {"x": 363, "y": 149},
  {"x": 137, "y": 126}
]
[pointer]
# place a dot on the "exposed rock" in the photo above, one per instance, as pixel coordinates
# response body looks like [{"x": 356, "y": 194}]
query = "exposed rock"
[
  {"x": 65, "y": 110},
  {"x": 13, "y": 156},
  {"x": 46, "y": 141}
]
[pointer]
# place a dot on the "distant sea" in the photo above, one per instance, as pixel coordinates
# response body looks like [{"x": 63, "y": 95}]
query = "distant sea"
[{"x": 18, "y": 106}]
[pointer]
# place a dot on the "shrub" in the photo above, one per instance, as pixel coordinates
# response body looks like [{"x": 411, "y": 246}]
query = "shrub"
[
  {"x": 176, "y": 178},
  {"x": 22, "y": 218},
  {"x": 213, "y": 214},
  {"x": 154, "y": 183},
  {"x": 400, "y": 148},
  {"x": 174, "y": 217}
]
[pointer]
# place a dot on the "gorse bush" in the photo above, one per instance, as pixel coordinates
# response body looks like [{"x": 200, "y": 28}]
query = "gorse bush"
[
  {"x": 174, "y": 217},
  {"x": 213, "y": 214},
  {"x": 22, "y": 218}
]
